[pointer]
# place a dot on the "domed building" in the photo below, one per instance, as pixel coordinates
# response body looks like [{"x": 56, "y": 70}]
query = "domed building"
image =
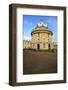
[{"x": 41, "y": 37}]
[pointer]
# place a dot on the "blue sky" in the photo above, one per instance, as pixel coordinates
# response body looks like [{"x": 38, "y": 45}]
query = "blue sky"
[{"x": 30, "y": 22}]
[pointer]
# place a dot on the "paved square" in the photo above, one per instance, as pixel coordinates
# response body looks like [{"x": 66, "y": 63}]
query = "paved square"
[{"x": 37, "y": 62}]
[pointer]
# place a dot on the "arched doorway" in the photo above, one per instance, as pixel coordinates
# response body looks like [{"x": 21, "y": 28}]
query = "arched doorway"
[
  {"x": 38, "y": 46},
  {"x": 49, "y": 47}
]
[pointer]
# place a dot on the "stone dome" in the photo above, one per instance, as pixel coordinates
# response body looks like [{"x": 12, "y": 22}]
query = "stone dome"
[
  {"x": 41, "y": 27},
  {"x": 41, "y": 23}
]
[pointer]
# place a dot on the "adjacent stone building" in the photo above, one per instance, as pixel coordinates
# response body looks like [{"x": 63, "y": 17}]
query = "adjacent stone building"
[
  {"x": 26, "y": 44},
  {"x": 41, "y": 38}
]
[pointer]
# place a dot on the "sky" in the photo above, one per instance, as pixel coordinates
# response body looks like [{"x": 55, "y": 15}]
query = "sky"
[{"x": 30, "y": 22}]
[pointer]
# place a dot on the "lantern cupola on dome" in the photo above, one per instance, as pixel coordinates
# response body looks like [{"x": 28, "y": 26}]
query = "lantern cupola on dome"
[{"x": 42, "y": 23}]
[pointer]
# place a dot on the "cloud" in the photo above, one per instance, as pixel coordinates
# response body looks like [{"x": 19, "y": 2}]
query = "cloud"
[
  {"x": 26, "y": 23},
  {"x": 27, "y": 38}
]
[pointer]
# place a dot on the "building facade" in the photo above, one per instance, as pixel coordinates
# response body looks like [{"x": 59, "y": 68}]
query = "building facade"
[
  {"x": 41, "y": 38},
  {"x": 26, "y": 44}
]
